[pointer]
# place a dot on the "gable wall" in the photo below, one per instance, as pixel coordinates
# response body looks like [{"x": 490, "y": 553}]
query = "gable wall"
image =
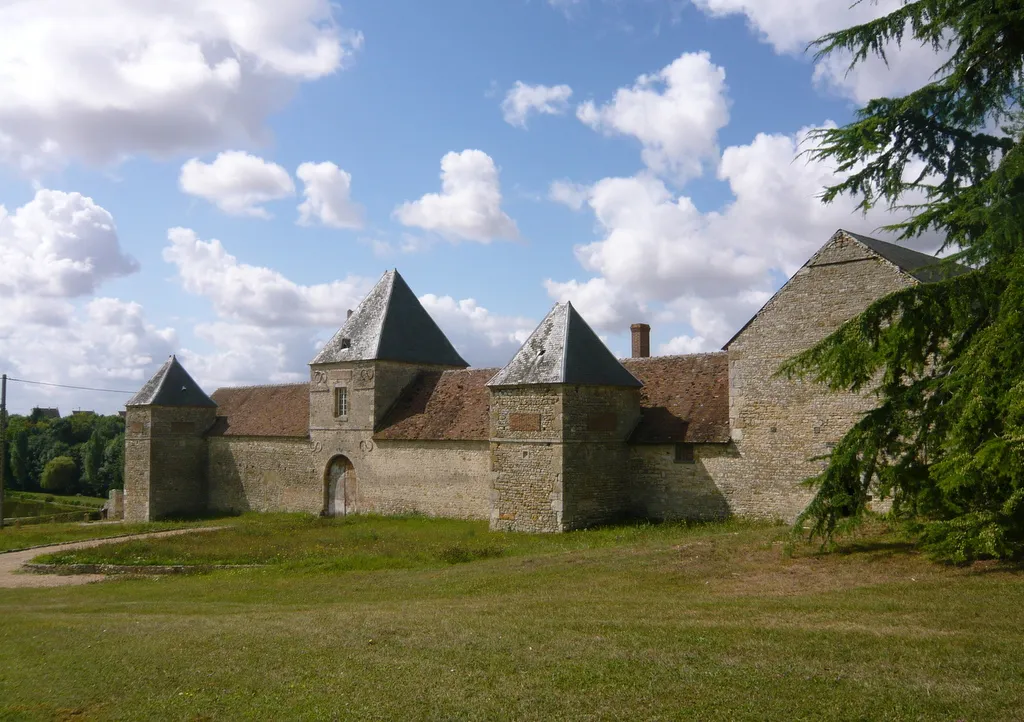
[{"x": 779, "y": 425}]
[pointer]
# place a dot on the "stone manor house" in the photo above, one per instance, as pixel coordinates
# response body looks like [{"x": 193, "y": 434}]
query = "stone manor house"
[{"x": 564, "y": 436}]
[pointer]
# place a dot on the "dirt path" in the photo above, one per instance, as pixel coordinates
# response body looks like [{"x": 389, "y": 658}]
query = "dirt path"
[{"x": 11, "y": 562}]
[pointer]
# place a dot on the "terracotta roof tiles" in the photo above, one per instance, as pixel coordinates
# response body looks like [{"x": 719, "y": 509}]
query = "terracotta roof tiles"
[
  {"x": 281, "y": 411},
  {"x": 442, "y": 405}
]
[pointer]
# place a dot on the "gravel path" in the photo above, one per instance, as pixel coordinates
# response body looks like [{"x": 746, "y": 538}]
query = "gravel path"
[{"x": 11, "y": 562}]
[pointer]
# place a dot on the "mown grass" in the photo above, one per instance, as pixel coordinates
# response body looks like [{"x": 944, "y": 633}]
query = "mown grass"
[
  {"x": 706, "y": 622},
  {"x": 361, "y": 542},
  {"x": 32, "y": 535}
]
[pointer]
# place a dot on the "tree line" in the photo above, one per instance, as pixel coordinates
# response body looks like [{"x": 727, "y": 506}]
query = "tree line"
[{"x": 78, "y": 454}]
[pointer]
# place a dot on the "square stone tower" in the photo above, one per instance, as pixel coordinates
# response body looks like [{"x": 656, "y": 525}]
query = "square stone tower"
[
  {"x": 561, "y": 412},
  {"x": 165, "y": 448},
  {"x": 358, "y": 376}
]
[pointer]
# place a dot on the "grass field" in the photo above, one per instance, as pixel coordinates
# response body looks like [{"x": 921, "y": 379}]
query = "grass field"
[
  {"x": 93, "y": 502},
  {"x": 653, "y": 622},
  {"x": 32, "y": 535}
]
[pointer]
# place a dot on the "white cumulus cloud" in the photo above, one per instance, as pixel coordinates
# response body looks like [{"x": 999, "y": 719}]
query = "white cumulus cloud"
[
  {"x": 328, "y": 195},
  {"x": 236, "y": 182},
  {"x": 675, "y": 113},
  {"x": 790, "y": 26},
  {"x": 710, "y": 271},
  {"x": 59, "y": 245},
  {"x": 103, "y": 80},
  {"x": 469, "y": 204},
  {"x": 521, "y": 100}
]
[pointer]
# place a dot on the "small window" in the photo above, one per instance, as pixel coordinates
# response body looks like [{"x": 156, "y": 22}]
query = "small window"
[
  {"x": 341, "y": 401},
  {"x": 346, "y": 343},
  {"x": 684, "y": 454}
]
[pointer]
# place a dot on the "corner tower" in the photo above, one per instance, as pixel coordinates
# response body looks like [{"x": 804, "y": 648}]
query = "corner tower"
[
  {"x": 357, "y": 377},
  {"x": 560, "y": 414},
  {"x": 165, "y": 448}
]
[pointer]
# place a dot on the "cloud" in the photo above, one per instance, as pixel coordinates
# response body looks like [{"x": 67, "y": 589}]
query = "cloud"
[
  {"x": 483, "y": 338},
  {"x": 570, "y": 194},
  {"x": 657, "y": 252},
  {"x": 328, "y": 197},
  {"x": 675, "y": 113},
  {"x": 257, "y": 295},
  {"x": 115, "y": 78},
  {"x": 56, "y": 251},
  {"x": 59, "y": 245},
  {"x": 469, "y": 204},
  {"x": 790, "y": 26},
  {"x": 237, "y": 183},
  {"x": 522, "y": 100}
]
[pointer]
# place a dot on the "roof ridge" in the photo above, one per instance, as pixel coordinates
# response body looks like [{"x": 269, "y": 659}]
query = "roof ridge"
[
  {"x": 390, "y": 293},
  {"x": 565, "y": 336}
]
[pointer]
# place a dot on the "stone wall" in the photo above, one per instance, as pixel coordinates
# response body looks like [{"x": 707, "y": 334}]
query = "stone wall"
[
  {"x": 778, "y": 426},
  {"x": 526, "y": 459},
  {"x": 595, "y": 467},
  {"x": 663, "y": 489},
  {"x": 165, "y": 461},
  {"x": 262, "y": 474},
  {"x": 437, "y": 478}
]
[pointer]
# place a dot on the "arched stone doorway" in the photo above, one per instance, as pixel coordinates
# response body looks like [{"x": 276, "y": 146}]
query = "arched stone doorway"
[{"x": 339, "y": 487}]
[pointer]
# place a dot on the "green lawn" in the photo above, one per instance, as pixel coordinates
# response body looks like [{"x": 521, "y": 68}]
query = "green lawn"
[
  {"x": 654, "y": 622},
  {"x": 32, "y": 535}
]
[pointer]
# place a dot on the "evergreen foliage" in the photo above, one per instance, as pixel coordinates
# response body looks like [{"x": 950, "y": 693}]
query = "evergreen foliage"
[{"x": 946, "y": 441}]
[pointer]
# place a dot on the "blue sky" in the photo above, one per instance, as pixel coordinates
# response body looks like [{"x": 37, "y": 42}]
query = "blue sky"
[{"x": 634, "y": 156}]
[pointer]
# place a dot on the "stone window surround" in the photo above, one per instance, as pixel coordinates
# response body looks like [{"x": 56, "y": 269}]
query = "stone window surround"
[{"x": 341, "y": 402}]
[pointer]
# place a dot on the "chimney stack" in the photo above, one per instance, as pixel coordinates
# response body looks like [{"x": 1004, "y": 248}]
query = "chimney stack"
[
  {"x": 641, "y": 340},
  {"x": 349, "y": 314}
]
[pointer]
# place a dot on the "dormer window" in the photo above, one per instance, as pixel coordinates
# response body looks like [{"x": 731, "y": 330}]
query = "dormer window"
[
  {"x": 346, "y": 343},
  {"x": 341, "y": 401}
]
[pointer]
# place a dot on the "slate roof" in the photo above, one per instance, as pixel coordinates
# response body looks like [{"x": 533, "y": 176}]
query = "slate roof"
[
  {"x": 922, "y": 266},
  {"x": 281, "y": 411},
  {"x": 563, "y": 349},
  {"x": 171, "y": 386},
  {"x": 684, "y": 398},
  {"x": 390, "y": 324},
  {"x": 441, "y": 405}
]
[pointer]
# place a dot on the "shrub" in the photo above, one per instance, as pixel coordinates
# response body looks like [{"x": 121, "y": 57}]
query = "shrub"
[{"x": 60, "y": 475}]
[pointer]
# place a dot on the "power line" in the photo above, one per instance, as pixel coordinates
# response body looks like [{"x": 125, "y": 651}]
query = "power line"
[{"x": 65, "y": 386}]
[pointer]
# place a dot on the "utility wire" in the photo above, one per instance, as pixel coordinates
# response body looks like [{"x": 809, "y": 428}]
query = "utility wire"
[{"x": 64, "y": 386}]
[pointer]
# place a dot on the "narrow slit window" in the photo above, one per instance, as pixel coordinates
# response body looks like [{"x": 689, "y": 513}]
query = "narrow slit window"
[
  {"x": 341, "y": 401},
  {"x": 684, "y": 454}
]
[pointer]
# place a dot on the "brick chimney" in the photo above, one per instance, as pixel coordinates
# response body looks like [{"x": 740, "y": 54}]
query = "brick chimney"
[{"x": 641, "y": 340}]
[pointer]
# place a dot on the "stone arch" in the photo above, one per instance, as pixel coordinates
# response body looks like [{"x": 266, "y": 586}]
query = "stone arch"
[{"x": 339, "y": 486}]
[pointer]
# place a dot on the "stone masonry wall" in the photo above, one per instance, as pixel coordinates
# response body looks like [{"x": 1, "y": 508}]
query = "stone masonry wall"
[
  {"x": 664, "y": 489},
  {"x": 262, "y": 474},
  {"x": 779, "y": 425},
  {"x": 595, "y": 467},
  {"x": 437, "y": 478},
  {"x": 165, "y": 461},
  {"x": 399, "y": 479},
  {"x": 526, "y": 459},
  {"x": 136, "y": 463}
]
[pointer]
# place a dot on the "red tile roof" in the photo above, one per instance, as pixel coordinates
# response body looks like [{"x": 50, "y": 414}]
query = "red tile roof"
[
  {"x": 684, "y": 398},
  {"x": 262, "y": 411},
  {"x": 442, "y": 405}
]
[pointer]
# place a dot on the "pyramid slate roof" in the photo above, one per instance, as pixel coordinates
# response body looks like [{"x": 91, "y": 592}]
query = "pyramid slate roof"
[
  {"x": 390, "y": 324},
  {"x": 171, "y": 386},
  {"x": 564, "y": 350}
]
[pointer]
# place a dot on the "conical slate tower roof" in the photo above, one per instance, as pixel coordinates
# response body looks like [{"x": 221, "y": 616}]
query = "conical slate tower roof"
[
  {"x": 171, "y": 386},
  {"x": 564, "y": 350},
  {"x": 390, "y": 324}
]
